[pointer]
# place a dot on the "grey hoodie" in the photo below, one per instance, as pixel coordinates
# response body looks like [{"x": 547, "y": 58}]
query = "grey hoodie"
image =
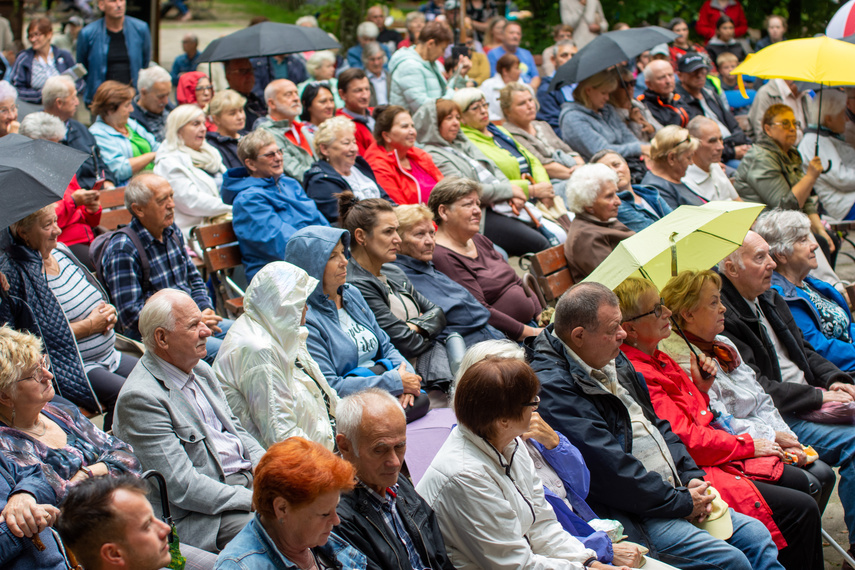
[{"x": 448, "y": 159}]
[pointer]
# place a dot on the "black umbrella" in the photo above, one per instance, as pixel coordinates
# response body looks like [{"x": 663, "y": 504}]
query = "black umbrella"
[
  {"x": 33, "y": 174},
  {"x": 607, "y": 50},
  {"x": 267, "y": 38}
]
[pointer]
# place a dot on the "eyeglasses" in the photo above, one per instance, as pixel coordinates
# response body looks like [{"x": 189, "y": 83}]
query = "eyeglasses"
[
  {"x": 41, "y": 372},
  {"x": 534, "y": 404},
  {"x": 34, "y": 34},
  {"x": 478, "y": 106},
  {"x": 789, "y": 125},
  {"x": 656, "y": 312},
  {"x": 8, "y": 110},
  {"x": 206, "y": 88},
  {"x": 270, "y": 155}
]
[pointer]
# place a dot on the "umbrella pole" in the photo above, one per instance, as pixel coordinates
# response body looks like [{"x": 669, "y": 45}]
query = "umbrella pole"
[{"x": 818, "y": 121}]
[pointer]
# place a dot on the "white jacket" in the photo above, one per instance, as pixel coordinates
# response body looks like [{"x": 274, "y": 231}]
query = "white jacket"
[
  {"x": 835, "y": 188},
  {"x": 486, "y": 515},
  {"x": 273, "y": 398},
  {"x": 197, "y": 193}
]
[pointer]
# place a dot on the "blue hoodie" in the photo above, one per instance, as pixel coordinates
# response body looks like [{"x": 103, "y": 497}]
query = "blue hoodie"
[
  {"x": 265, "y": 213},
  {"x": 334, "y": 351}
]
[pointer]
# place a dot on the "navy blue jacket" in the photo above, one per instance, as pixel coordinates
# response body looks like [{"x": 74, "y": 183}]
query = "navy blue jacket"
[
  {"x": 22, "y": 73},
  {"x": 79, "y": 137},
  {"x": 463, "y": 313},
  {"x": 296, "y": 73},
  {"x": 322, "y": 181},
  {"x": 598, "y": 424},
  {"x": 30, "y": 292},
  {"x": 550, "y": 104}
]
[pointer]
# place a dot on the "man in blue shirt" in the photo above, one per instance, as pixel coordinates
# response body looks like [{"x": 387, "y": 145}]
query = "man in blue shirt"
[
  {"x": 187, "y": 61},
  {"x": 551, "y": 101},
  {"x": 511, "y": 44}
]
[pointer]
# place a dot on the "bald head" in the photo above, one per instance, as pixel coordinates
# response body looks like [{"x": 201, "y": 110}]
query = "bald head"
[
  {"x": 283, "y": 100},
  {"x": 659, "y": 77}
]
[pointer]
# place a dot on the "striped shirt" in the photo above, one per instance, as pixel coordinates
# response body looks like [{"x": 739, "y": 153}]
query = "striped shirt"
[
  {"x": 42, "y": 70},
  {"x": 78, "y": 297}
]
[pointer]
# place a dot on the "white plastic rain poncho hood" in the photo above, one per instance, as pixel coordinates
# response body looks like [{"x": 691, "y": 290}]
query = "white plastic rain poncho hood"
[{"x": 273, "y": 396}]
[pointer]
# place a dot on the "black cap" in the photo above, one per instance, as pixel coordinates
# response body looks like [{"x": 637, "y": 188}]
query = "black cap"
[{"x": 692, "y": 61}]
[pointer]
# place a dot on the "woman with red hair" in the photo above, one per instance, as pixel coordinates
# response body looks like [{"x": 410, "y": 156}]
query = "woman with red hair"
[{"x": 295, "y": 494}]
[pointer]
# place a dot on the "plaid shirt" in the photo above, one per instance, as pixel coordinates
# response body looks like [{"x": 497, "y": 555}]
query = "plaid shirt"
[
  {"x": 386, "y": 506},
  {"x": 170, "y": 268}
]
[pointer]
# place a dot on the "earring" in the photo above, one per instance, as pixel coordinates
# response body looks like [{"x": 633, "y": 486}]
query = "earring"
[{"x": 13, "y": 418}]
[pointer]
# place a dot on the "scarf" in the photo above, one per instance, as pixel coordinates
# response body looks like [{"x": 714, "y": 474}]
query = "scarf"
[
  {"x": 726, "y": 356},
  {"x": 206, "y": 158}
]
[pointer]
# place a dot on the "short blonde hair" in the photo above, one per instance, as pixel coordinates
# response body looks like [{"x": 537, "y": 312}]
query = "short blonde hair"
[
  {"x": 330, "y": 130},
  {"x": 411, "y": 214},
  {"x": 671, "y": 139},
  {"x": 506, "y": 95},
  {"x": 319, "y": 58},
  {"x": 225, "y": 101},
  {"x": 28, "y": 222},
  {"x": 629, "y": 295},
  {"x": 683, "y": 292},
  {"x": 19, "y": 351}
]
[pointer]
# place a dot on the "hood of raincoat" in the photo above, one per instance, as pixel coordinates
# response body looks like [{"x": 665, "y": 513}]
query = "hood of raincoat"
[
  {"x": 310, "y": 249},
  {"x": 425, "y": 121},
  {"x": 275, "y": 300}
]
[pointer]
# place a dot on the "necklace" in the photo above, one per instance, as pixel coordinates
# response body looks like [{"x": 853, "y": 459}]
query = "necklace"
[{"x": 31, "y": 431}]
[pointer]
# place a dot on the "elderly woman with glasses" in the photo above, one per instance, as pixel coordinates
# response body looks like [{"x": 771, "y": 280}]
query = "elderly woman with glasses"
[
  {"x": 38, "y": 428},
  {"x": 772, "y": 172},
  {"x": 41, "y": 60},
  {"x": 482, "y": 484},
  {"x": 195, "y": 88},
  {"x": 747, "y": 472},
  {"x": 8, "y": 109},
  {"x": 820, "y": 311}
]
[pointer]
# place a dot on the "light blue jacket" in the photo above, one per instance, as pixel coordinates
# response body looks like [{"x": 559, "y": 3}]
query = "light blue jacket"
[
  {"x": 839, "y": 352},
  {"x": 93, "y": 44},
  {"x": 589, "y": 132},
  {"x": 116, "y": 149},
  {"x": 253, "y": 549},
  {"x": 333, "y": 350},
  {"x": 416, "y": 81}
]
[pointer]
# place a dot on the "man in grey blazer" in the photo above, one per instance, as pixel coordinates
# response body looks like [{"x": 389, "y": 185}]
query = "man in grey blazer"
[{"x": 174, "y": 414}]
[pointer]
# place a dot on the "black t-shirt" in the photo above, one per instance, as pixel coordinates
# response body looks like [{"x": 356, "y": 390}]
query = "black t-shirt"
[
  {"x": 118, "y": 62},
  {"x": 389, "y": 36}
]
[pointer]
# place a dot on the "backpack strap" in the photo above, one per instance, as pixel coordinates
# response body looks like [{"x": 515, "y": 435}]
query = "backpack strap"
[{"x": 145, "y": 265}]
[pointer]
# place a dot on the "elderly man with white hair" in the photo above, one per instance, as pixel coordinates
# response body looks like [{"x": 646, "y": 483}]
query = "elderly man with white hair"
[
  {"x": 151, "y": 105},
  {"x": 8, "y": 109},
  {"x": 384, "y": 517},
  {"x": 595, "y": 231},
  {"x": 366, "y": 32},
  {"x": 59, "y": 97},
  {"x": 174, "y": 414},
  {"x": 659, "y": 97},
  {"x": 706, "y": 176},
  {"x": 283, "y": 108},
  {"x": 375, "y": 60}
]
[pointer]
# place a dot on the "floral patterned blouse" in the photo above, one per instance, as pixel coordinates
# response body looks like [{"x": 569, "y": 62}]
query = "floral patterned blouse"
[{"x": 86, "y": 446}]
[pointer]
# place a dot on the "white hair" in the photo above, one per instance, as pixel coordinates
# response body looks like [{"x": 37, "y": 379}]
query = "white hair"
[
  {"x": 176, "y": 119},
  {"x": 158, "y": 313},
  {"x": 833, "y": 103},
  {"x": 307, "y": 20},
  {"x": 273, "y": 88},
  {"x": 371, "y": 49},
  {"x": 150, "y": 75},
  {"x": 585, "y": 185},
  {"x": 42, "y": 125},
  {"x": 782, "y": 229},
  {"x": 367, "y": 30},
  {"x": 466, "y": 96},
  {"x": 348, "y": 412},
  {"x": 56, "y": 87},
  {"x": 7, "y": 91},
  {"x": 651, "y": 67},
  {"x": 319, "y": 58}
]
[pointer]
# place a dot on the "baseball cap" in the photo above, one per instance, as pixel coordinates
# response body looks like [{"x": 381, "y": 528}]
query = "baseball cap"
[
  {"x": 718, "y": 522},
  {"x": 692, "y": 62}
]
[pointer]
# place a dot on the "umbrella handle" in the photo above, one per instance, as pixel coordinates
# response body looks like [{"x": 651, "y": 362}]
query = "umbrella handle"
[{"x": 827, "y": 168}]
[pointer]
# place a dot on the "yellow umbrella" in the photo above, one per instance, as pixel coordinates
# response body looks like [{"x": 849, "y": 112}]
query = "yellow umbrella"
[
  {"x": 819, "y": 60},
  {"x": 690, "y": 237}
]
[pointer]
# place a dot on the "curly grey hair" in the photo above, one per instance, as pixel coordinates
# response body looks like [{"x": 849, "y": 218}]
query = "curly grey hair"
[
  {"x": 782, "y": 229},
  {"x": 42, "y": 125},
  {"x": 585, "y": 185}
]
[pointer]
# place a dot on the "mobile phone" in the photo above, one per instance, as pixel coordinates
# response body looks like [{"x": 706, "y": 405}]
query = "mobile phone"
[
  {"x": 99, "y": 184},
  {"x": 460, "y": 49}
]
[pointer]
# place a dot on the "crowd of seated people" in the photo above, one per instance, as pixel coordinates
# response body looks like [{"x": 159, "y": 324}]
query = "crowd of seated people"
[{"x": 380, "y": 199}]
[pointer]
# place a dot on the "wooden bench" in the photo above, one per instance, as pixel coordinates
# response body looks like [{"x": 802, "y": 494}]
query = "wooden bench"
[
  {"x": 222, "y": 256},
  {"x": 113, "y": 211},
  {"x": 550, "y": 273}
]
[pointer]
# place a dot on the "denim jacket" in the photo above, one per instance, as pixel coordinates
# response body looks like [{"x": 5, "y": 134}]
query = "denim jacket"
[
  {"x": 636, "y": 217},
  {"x": 93, "y": 43},
  {"x": 253, "y": 549}
]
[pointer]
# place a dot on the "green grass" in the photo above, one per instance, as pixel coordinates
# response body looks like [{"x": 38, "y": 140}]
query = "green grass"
[{"x": 228, "y": 12}]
